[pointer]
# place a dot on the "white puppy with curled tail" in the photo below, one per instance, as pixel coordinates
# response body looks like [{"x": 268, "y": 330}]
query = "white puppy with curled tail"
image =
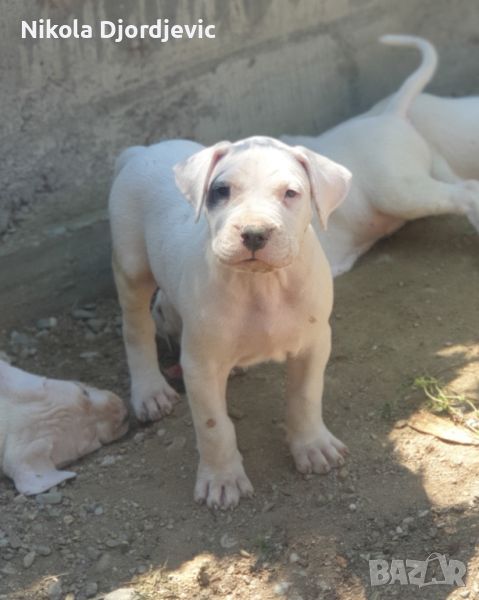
[
  {"x": 48, "y": 423},
  {"x": 449, "y": 125},
  {"x": 397, "y": 176},
  {"x": 243, "y": 280}
]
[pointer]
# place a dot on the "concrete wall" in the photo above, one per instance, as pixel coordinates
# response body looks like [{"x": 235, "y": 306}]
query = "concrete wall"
[{"x": 69, "y": 106}]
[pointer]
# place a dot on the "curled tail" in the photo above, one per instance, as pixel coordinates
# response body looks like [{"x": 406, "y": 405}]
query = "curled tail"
[{"x": 400, "y": 102}]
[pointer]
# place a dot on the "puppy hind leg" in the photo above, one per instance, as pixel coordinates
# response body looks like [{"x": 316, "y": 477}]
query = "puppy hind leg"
[
  {"x": 151, "y": 396},
  {"x": 417, "y": 197}
]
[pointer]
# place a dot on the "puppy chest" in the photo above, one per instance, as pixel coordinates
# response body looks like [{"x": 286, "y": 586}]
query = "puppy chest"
[{"x": 271, "y": 335}]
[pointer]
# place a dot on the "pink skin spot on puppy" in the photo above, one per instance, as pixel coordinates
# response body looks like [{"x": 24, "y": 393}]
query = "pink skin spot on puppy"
[
  {"x": 312, "y": 319},
  {"x": 210, "y": 423}
]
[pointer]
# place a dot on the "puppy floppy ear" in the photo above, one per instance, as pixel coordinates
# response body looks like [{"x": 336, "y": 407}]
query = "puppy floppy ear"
[
  {"x": 193, "y": 174},
  {"x": 329, "y": 181}
]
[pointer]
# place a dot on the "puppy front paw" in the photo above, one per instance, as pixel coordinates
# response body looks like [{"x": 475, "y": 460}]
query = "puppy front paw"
[
  {"x": 153, "y": 400},
  {"x": 318, "y": 455},
  {"x": 222, "y": 488}
]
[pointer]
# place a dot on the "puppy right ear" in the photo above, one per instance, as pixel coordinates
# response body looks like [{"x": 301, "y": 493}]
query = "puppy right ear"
[{"x": 193, "y": 174}]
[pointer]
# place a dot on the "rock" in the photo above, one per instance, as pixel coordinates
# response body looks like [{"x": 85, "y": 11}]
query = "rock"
[
  {"x": 54, "y": 590},
  {"x": 281, "y": 588},
  {"x": 93, "y": 553},
  {"x": 91, "y": 589},
  {"x": 122, "y": 594},
  {"x": 139, "y": 437},
  {"x": 51, "y": 497},
  {"x": 46, "y": 324},
  {"x": 8, "y": 570},
  {"x": 14, "y": 541},
  {"x": 83, "y": 314},
  {"x": 108, "y": 460},
  {"x": 293, "y": 557},
  {"x": 90, "y": 355},
  {"x": 96, "y": 325},
  {"x": 29, "y": 559},
  {"x": 104, "y": 563},
  {"x": 177, "y": 444},
  {"x": 227, "y": 541},
  {"x": 43, "y": 550},
  {"x": 98, "y": 511},
  {"x": 353, "y": 507}
]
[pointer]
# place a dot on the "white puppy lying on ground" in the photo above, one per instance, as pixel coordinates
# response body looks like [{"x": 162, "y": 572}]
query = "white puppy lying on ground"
[
  {"x": 247, "y": 283},
  {"x": 450, "y": 126},
  {"x": 47, "y": 423},
  {"x": 396, "y": 175}
]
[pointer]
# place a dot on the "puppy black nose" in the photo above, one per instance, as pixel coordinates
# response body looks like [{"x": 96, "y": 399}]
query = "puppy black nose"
[{"x": 255, "y": 238}]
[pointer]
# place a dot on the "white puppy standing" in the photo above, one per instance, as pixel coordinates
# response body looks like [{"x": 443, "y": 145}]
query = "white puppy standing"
[
  {"x": 396, "y": 176},
  {"x": 48, "y": 423},
  {"x": 247, "y": 283}
]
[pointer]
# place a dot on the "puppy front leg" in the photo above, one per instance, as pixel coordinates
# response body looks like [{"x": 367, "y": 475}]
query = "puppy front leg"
[
  {"x": 313, "y": 446},
  {"x": 151, "y": 396},
  {"x": 221, "y": 479}
]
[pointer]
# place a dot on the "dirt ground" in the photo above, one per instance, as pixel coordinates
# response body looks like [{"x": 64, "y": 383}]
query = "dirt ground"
[{"x": 410, "y": 308}]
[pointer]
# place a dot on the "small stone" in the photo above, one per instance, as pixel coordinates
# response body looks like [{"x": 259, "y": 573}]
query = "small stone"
[
  {"x": 139, "y": 437},
  {"x": 177, "y": 444},
  {"x": 46, "y": 324},
  {"x": 353, "y": 507},
  {"x": 90, "y": 355},
  {"x": 68, "y": 519},
  {"x": 141, "y": 569},
  {"x": 281, "y": 588},
  {"x": 20, "y": 499},
  {"x": 43, "y": 550},
  {"x": 227, "y": 541},
  {"x": 82, "y": 314},
  {"x": 343, "y": 473},
  {"x": 70, "y": 596},
  {"x": 29, "y": 559},
  {"x": 96, "y": 325},
  {"x": 98, "y": 511},
  {"x": 104, "y": 563},
  {"x": 400, "y": 424},
  {"x": 108, "y": 460},
  {"x": 91, "y": 589},
  {"x": 14, "y": 541},
  {"x": 54, "y": 590},
  {"x": 51, "y": 497},
  {"x": 161, "y": 432},
  {"x": 8, "y": 570},
  {"x": 122, "y": 594},
  {"x": 293, "y": 557},
  {"x": 235, "y": 413}
]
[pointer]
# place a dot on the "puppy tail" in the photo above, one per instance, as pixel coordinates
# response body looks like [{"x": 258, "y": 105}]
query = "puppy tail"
[
  {"x": 400, "y": 102},
  {"x": 125, "y": 156}
]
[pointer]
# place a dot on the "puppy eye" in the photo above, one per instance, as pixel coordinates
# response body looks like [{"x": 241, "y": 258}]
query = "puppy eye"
[
  {"x": 219, "y": 193},
  {"x": 222, "y": 191},
  {"x": 291, "y": 194}
]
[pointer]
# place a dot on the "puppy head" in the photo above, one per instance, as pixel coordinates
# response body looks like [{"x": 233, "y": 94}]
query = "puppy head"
[
  {"x": 106, "y": 411},
  {"x": 258, "y": 195}
]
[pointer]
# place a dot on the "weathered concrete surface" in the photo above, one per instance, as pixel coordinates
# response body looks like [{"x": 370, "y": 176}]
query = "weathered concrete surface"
[{"x": 68, "y": 106}]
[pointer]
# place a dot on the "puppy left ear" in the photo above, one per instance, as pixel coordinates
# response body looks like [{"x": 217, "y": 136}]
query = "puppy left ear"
[
  {"x": 193, "y": 174},
  {"x": 329, "y": 181}
]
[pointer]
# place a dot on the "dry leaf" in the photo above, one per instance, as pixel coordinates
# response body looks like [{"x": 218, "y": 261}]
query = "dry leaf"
[{"x": 443, "y": 429}]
